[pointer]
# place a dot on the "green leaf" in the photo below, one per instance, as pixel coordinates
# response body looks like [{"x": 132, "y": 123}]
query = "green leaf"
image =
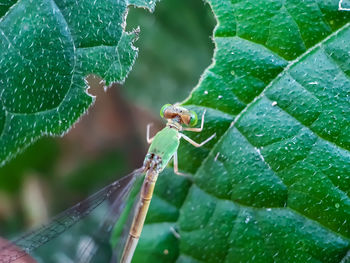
[
  {"x": 344, "y": 5},
  {"x": 274, "y": 185},
  {"x": 150, "y": 5},
  {"x": 47, "y": 48}
]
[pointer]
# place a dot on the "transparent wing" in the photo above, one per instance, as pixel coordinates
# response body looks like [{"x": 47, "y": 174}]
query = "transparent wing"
[
  {"x": 65, "y": 220},
  {"x": 109, "y": 227},
  {"x": 126, "y": 225}
]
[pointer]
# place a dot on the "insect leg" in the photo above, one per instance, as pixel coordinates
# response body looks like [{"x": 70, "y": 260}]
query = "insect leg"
[
  {"x": 149, "y": 140},
  {"x": 176, "y": 167},
  {"x": 195, "y": 144}
]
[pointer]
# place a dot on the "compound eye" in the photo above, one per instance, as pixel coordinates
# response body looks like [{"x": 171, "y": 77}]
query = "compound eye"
[
  {"x": 162, "y": 110},
  {"x": 193, "y": 119}
]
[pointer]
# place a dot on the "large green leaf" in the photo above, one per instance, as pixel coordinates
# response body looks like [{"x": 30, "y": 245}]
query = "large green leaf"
[
  {"x": 47, "y": 48},
  {"x": 274, "y": 185}
]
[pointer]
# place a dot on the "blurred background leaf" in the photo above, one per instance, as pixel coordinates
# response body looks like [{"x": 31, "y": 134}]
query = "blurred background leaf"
[{"x": 176, "y": 48}]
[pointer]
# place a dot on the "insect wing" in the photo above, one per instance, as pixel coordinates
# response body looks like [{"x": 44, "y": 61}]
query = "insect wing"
[
  {"x": 99, "y": 246},
  {"x": 34, "y": 240},
  {"x": 122, "y": 227}
]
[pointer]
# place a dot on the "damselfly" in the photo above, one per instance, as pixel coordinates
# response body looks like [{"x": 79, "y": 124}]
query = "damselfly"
[{"x": 163, "y": 148}]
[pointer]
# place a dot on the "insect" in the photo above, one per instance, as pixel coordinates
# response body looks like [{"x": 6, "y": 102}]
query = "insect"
[{"x": 163, "y": 148}]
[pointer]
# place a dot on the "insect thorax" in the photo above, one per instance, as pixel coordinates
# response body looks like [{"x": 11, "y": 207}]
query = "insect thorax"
[{"x": 153, "y": 162}]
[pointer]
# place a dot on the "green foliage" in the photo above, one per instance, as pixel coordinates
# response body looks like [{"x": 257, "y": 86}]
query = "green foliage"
[
  {"x": 274, "y": 185},
  {"x": 174, "y": 52},
  {"x": 47, "y": 48},
  {"x": 344, "y": 5},
  {"x": 40, "y": 157}
]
